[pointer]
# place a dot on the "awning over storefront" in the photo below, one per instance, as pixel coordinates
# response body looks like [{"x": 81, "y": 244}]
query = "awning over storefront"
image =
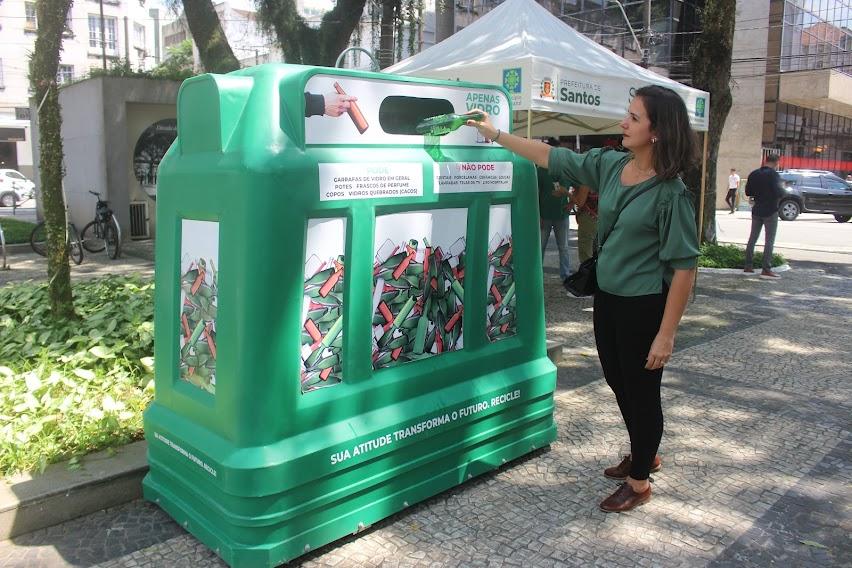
[{"x": 824, "y": 90}]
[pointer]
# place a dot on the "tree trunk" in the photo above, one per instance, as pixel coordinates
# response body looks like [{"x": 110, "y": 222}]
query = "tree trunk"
[
  {"x": 305, "y": 45},
  {"x": 213, "y": 47},
  {"x": 711, "y": 72},
  {"x": 51, "y": 16}
]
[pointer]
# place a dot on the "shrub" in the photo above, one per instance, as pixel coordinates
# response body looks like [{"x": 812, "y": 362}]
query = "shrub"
[
  {"x": 68, "y": 388},
  {"x": 730, "y": 256}
]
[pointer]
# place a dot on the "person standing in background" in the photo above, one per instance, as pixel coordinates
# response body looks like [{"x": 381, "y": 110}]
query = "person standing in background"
[
  {"x": 733, "y": 186},
  {"x": 764, "y": 185},
  {"x": 553, "y": 215},
  {"x": 586, "y": 204}
]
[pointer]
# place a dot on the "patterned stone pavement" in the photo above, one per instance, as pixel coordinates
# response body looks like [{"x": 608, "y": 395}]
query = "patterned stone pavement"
[{"x": 756, "y": 459}]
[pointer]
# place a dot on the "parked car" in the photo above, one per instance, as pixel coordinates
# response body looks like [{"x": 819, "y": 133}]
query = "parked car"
[
  {"x": 815, "y": 191},
  {"x": 14, "y": 188}
]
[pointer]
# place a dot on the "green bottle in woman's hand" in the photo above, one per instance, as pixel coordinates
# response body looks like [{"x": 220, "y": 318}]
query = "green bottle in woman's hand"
[{"x": 445, "y": 123}]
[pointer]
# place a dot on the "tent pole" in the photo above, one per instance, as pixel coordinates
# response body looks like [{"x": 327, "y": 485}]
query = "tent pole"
[
  {"x": 701, "y": 207},
  {"x": 529, "y": 123}
]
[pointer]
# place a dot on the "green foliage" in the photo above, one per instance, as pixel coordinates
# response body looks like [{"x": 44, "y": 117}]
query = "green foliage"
[
  {"x": 178, "y": 64},
  {"x": 16, "y": 231},
  {"x": 117, "y": 68},
  {"x": 176, "y": 67},
  {"x": 71, "y": 388},
  {"x": 730, "y": 256}
]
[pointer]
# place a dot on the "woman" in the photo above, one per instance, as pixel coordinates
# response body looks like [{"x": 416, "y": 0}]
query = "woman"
[{"x": 645, "y": 269}]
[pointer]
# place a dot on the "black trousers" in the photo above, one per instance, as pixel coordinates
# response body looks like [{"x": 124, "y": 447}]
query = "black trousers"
[
  {"x": 731, "y": 198},
  {"x": 625, "y": 327}
]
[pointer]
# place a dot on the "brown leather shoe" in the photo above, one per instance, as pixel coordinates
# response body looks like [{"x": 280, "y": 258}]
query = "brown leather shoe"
[
  {"x": 625, "y": 499},
  {"x": 622, "y": 470}
]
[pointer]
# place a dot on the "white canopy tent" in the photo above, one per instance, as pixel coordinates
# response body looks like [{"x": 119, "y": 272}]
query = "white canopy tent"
[{"x": 560, "y": 81}]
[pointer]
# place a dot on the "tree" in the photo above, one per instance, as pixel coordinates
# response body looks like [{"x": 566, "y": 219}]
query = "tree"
[
  {"x": 178, "y": 63},
  {"x": 52, "y": 16},
  {"x": 711, "y": 71},
  {"x": 210, "y": 39},
  {"x": 301, "y": 43},
  {"x": 397, "y": 18}
]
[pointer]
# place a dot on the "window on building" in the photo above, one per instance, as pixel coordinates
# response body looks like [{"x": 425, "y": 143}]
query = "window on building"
[
  {"x": 139, "y": 35},
  {"x": 69, "y": 25},
  {"x": 65, "y": 74},
  {"x": 95, "y": 38},
  {"x": 30, "y": 11}
]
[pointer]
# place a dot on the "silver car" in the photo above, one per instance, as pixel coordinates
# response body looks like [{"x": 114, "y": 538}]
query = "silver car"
[{"x": 14, "y": 188}]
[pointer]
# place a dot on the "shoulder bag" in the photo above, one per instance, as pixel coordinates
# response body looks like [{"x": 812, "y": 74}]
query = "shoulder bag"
[{"x": 584, "y": 282}]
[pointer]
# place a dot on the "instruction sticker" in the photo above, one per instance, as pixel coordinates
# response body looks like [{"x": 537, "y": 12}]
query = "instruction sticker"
[
  {"x": 370, "y": 181},
  {"x": 469, "y": 177}
]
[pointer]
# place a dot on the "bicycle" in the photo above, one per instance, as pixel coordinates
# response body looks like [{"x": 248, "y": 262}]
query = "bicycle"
[
  {"x": 104, "y": 232},
  {"x": 38, "y": 241}
]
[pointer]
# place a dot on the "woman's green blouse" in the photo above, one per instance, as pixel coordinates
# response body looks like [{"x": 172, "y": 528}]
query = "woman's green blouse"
[{"x": 654, "y": 235}]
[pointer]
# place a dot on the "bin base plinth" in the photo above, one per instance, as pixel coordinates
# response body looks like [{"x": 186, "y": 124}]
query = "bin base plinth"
[{"x": 276, "y": 545}]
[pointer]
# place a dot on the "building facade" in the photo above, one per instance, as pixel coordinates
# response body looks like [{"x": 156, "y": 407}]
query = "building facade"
[
  {"x": 808, "y": 112},
  {"x": 129, "y": 30},
  {"x": 791, "y": 82}
]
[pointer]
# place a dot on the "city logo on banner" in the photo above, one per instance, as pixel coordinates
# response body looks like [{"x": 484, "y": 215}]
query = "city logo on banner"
[
  {"x": 512, "y": 79},
  {"x": 547, "y": 90},
  {"x": 700, "y": 105}
]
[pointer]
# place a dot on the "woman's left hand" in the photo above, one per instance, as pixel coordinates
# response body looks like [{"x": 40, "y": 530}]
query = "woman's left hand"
[{"x": 660, "y": 353}]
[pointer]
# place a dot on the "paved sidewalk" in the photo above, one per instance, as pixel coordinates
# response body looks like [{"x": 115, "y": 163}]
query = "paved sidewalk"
[
  {"x": 27, "y": 265},
  {"x": 756, "y": 459}
]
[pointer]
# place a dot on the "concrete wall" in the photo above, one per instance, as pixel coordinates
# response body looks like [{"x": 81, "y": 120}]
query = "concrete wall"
[
  {"x": 83, "y": 145},
  {"x": 742, "y": 137},
  {"x": 102, "y": 119}
]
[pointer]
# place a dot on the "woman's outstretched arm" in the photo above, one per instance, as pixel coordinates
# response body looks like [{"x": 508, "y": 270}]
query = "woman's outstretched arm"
[{"x": 533, "y": 150}]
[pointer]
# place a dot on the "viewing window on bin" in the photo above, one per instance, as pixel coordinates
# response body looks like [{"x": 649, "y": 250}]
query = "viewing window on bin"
[
  {"x": 322, "y": 304},
  {"x": 401, "y": 115},
  {"x": 418, "y": 285}
]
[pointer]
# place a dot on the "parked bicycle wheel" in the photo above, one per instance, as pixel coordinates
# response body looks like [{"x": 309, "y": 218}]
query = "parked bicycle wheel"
[
  {"x": 38, "y": 238},
  {"x": 92, "y": 241},
  {"x": 38, "y": 241},
  {"x": 75, "y": 245},
  {"x": 112, "y": 238}
]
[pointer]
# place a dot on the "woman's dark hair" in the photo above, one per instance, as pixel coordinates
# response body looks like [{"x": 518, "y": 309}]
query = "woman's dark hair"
[{"x": 676, "y": 148}]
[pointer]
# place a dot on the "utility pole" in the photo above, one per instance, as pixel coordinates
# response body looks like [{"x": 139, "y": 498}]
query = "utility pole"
[
  {"x": 127, "y": 41},
  {"x": 646, "y": 52},
  {"x": 103, "y": 35},
  {"x": 155, "y": 14}
]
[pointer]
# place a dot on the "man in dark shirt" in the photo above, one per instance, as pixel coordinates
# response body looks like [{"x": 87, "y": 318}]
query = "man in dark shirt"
[{"x": 764, "y": 185}]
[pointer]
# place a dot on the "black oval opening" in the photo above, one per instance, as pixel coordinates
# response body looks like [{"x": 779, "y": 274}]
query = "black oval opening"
[{"x": 400, "y": 115}]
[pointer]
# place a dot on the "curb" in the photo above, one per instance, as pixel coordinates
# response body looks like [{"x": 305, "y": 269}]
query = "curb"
[
  {"x": 18, "y": 247},
  {"x": 782, "y": 268},
  {"x": 105, "y": 479}
]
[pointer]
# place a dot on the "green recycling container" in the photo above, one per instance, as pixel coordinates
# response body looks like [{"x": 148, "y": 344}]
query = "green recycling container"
[{"x": 349, "y": 315}]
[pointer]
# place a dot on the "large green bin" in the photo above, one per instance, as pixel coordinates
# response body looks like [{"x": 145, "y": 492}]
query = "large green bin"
[{"x": 349, "y": 316}]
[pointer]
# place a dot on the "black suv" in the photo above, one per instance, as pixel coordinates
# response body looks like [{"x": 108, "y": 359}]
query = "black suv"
[{"x": 815, "y": 191}]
